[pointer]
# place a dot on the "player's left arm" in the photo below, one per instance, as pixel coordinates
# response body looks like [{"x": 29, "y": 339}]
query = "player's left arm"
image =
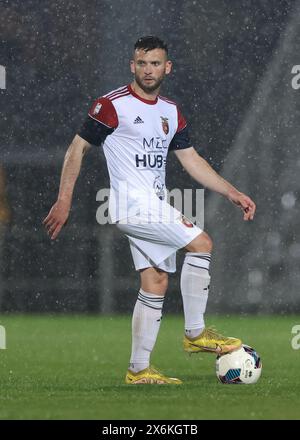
[{"x": 203, "y": 173}]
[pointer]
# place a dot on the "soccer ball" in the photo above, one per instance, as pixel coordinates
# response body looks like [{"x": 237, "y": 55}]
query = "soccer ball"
[{"x": 242, "y": 366}]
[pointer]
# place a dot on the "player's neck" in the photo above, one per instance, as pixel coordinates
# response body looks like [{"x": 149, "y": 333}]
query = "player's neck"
[{"x": 151, "y": 96}]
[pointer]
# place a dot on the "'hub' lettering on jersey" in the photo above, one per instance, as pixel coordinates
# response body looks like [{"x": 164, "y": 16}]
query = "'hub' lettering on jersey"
[{"x": 150, "y": 161}]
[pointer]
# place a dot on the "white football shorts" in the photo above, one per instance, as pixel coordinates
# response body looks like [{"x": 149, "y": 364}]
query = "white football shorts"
[{"x": 154, "y": 243}]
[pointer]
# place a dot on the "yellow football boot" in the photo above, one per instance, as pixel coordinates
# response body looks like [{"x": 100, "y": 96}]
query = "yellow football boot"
[
  {"x": 150, "y": 376},
  {"x": 211, "y": 341}
]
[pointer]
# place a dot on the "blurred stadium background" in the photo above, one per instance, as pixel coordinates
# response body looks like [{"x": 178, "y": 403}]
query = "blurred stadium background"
[{"x": 232, "y": 77}]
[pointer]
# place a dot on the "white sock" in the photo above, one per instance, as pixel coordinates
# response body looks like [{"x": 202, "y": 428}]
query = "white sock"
[
  {"x": 194, "y": 285},
  {"x": 146, "y": 320}
]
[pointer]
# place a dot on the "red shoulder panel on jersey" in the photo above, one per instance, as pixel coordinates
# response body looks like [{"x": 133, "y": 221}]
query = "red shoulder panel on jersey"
[
  {"x": 104, "y": 111},
  {"x": 181, "y": 121}
]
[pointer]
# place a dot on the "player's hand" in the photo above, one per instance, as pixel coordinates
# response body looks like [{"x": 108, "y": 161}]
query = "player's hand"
[
  {"x": 244, "y": 202},
  {"x": 57, "y": 218}
]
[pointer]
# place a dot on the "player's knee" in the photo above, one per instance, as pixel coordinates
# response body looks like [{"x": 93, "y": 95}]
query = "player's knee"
[
  {"x": 154, "y": 281},
  {"x": 161, "y": 279},
  {"x": 202, "y": 243}
]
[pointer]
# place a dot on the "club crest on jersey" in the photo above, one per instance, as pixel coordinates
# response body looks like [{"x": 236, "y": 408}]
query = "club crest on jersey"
[
  {"x": 97, "y": 108},
  {"x": 165, "y": 124}
]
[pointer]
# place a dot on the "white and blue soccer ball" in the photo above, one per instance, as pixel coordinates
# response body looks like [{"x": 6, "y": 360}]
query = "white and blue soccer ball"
[{"x": 242, "y": 366}]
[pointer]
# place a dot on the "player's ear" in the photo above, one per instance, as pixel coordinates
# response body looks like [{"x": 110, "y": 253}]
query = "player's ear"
[
  {"x": 132, "y": 66},
  {"x": 168, "y": 67}
]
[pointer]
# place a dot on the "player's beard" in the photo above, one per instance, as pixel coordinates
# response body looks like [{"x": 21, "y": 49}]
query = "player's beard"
[{"x": 149, "y": 88}]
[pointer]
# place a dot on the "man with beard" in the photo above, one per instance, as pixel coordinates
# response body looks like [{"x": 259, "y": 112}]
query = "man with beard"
[{"x": 138, "y": 127}]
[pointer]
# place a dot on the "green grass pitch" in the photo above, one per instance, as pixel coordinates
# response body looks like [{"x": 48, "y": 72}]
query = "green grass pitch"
[{"x": 73, "y": 367}]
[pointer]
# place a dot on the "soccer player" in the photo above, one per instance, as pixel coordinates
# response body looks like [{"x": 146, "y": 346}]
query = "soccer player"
[{"x": 137, "y": 128}]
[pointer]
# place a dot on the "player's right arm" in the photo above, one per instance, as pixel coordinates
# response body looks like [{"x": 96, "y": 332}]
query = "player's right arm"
[
  {"x": 59, "y": 213},
  {"x": 100, "y": 122}
]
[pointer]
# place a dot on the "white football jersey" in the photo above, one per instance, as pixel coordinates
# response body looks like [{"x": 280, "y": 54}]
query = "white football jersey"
[{"x": 136, "y": 134}]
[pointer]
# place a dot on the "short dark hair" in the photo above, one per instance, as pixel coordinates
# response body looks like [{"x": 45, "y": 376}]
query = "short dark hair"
[{"x": 150, "y": 42}]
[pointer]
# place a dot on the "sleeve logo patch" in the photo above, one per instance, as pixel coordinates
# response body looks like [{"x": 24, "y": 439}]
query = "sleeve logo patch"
[{"x": 97, "y": 108}]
